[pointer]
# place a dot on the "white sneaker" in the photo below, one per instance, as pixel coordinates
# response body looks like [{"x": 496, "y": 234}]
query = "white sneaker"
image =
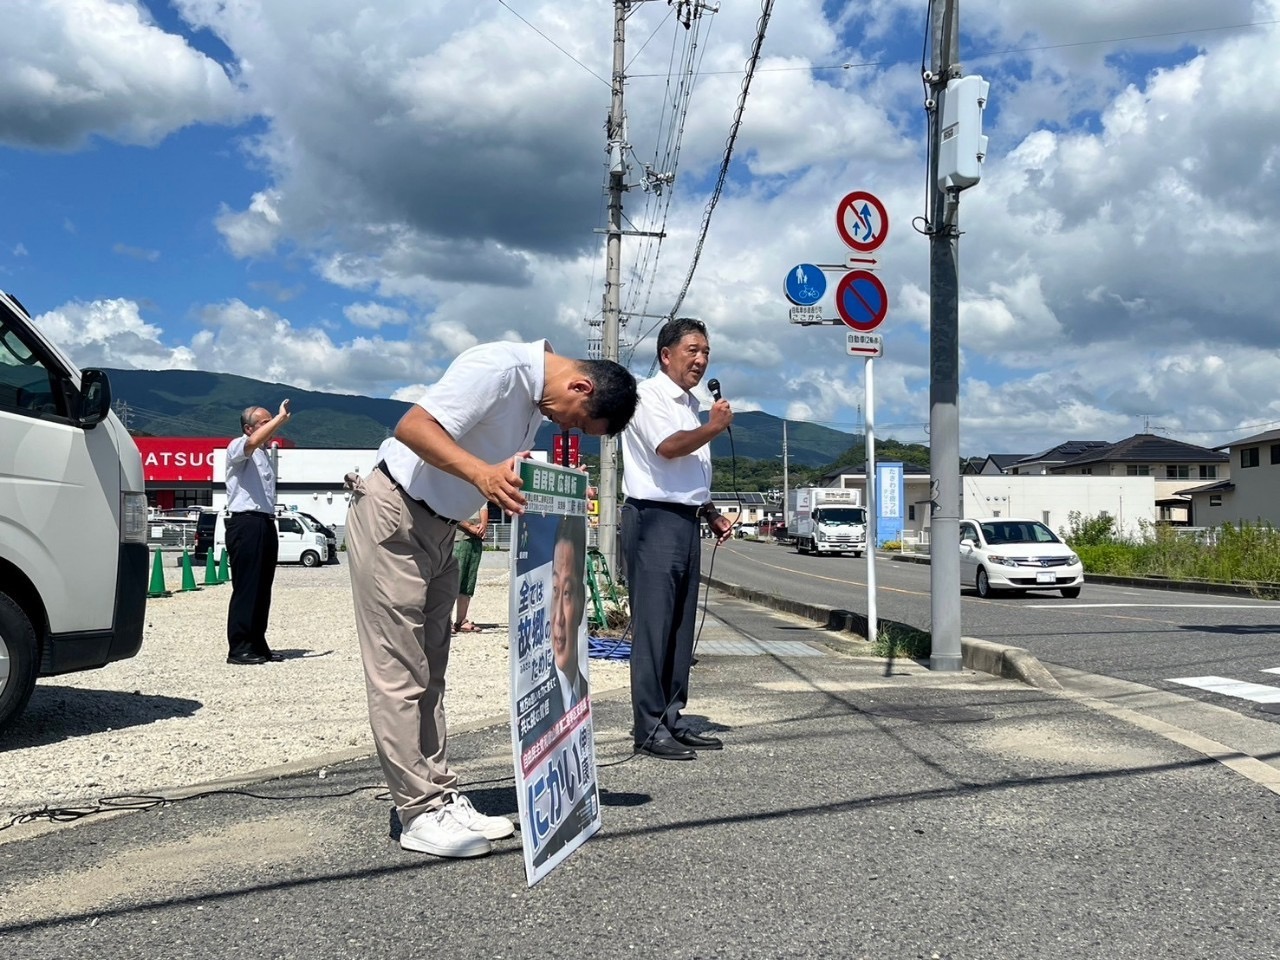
[
  {"x": 440, "y": 833},
  {"x": 492, "y": 828}
]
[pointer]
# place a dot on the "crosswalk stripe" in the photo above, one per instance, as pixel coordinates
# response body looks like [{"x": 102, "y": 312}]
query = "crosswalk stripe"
[{"x": 1255, "y": 692}]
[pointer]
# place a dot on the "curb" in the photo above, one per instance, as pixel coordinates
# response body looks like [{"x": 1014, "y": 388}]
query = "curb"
[{"x": 997, "y": 659}]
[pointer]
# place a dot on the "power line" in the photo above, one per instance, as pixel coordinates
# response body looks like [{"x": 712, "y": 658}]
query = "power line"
[
  {"x": 553, "y": 43},
  {"x": 972, "y": 57},
  {"x": 762, "y": 26}
]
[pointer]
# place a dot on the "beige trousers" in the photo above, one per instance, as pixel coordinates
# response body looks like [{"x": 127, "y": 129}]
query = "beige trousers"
[{"x": 404, "y": 580}]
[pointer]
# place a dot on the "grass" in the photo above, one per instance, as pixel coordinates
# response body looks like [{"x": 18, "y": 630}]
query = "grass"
[
  {"x": 1248, "y": 553},
  {"x": 899, "y": 641}
]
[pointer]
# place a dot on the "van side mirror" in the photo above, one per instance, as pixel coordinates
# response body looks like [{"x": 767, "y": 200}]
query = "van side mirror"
[{"x": 95, "y": 398}]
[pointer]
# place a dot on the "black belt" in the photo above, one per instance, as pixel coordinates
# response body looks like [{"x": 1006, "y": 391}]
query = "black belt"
[
  {"x": 683, "y": 509},
  {"x": 254, "y": 513},
  {"x": 382, "y": 465}
]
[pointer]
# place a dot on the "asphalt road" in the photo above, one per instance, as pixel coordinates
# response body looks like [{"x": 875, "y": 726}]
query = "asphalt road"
[{"x": 1146, "y": 636}]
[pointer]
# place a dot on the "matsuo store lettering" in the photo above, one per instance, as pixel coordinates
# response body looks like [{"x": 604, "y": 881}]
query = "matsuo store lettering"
[
  {"x": 173, "y": 459},
  {"x": 179, "y": 459}
]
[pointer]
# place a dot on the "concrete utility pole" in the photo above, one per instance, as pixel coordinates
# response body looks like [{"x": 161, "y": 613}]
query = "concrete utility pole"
[
  {"x": 607, "y": 533},
  {"x": 944, "y": 362}
]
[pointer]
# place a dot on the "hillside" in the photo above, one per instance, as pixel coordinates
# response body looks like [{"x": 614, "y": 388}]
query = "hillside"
[{"x": 192, "y": 403}]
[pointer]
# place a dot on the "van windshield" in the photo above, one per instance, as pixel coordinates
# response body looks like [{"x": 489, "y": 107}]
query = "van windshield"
[{"x": 841, "y": 516}]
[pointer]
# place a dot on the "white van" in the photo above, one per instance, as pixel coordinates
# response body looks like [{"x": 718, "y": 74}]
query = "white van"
[
  {"x": 300, "y": 541},
  {"x": 73, "y": 517}
]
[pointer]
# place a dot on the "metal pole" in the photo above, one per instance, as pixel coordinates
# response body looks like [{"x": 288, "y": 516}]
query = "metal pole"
[
  {"x": 944, "y": 365},
  {"x": 786, "y": 487},
  {"x": 873, "y": 506},
  {"x": 607, "y": 531}
]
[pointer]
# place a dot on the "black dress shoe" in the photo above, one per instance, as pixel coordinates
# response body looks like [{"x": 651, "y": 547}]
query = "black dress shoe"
[
  {"x": 699, "y": 741},
  {"x": 667, "y": 749},
  {"x": 246, "y": 659},
  {"x": 274, "y": 657}
]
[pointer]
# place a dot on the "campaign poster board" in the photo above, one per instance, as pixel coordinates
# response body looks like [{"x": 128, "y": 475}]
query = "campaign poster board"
[{"x": 552, "y": 739}]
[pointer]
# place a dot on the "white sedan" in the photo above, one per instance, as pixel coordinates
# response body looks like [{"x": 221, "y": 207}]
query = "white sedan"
[{"x": 1005, "y": 553}]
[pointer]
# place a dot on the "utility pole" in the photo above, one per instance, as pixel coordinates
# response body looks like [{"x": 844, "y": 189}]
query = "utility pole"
[
  {"x": 607, "y": 536},
  {"x": 944, "y": 359},
  {"x": 786, "y": 487}
]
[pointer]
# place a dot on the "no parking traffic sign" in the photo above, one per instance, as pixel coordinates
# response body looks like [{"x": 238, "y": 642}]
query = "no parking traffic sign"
[
  {"x": 862, "y": 221},
  {"x": 861, "y": 300}
]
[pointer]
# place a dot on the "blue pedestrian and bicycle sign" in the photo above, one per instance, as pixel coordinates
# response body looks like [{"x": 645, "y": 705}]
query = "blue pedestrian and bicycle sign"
[
  {"x": 861, "y": 300},
  {"x": 805, "y": 285}
]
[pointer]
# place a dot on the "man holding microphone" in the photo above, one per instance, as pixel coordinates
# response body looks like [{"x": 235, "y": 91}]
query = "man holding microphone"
[{"x": 667, "y": 483}]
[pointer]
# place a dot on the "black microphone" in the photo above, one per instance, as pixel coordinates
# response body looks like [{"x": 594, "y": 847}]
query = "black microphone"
[{"x": 714, "y": 386}]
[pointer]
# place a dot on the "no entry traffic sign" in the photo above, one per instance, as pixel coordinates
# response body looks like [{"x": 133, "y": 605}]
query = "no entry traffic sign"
[
  {"x": 862, "y": 221},
  {"x": 861, "y": 300}
]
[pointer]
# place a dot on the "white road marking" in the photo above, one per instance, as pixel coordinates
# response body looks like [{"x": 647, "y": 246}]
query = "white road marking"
[
  {"x": 1255, "y": 692},
  {"x": 1271, "y": 669},
  {"x": 1261, "y": 605}
]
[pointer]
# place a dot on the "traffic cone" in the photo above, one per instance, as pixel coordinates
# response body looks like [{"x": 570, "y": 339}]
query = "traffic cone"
[
  {"x": 224, "y": 567},
  {"x": 157, "y": 578},
  {"x": 210, "y": 570},
  {"x": 188, "y": 577}
]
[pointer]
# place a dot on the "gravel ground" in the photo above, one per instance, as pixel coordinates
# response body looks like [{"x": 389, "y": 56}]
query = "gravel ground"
[{"x": 178, "y": 715}]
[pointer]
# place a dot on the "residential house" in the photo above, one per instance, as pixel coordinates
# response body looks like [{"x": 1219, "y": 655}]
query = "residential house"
[
  {"x": 992, "y": 464},
  {"x": 1252, "y": 491},
  {"x": 1171, "y": 463},
  {"x": 1042, "y": 464}
]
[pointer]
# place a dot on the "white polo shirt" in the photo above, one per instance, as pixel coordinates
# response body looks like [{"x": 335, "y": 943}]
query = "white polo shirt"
[
  {"x": 664, "y": 408},
  {"x": 487, "y": 401}
]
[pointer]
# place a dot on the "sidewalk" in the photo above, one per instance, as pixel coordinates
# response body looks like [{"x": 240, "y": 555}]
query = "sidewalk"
[{"x": 860, "y": 809}]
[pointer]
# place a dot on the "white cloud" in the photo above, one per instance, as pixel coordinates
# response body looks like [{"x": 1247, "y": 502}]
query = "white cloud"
[
  {"x": 438, "y": 169},
  {"x": 237, "y": 338},
  {"x": 73, "y": 69},
  {"x": 375, "y": 315}
]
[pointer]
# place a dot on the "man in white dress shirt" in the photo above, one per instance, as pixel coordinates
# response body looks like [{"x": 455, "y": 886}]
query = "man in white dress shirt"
[
  {"x": 451, "y": 452},
  {"x": 667, "y": 482},
  {"x": 253, "y": 543}
]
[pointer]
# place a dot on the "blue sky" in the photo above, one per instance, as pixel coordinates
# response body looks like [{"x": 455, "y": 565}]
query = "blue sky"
[{"x": 343, "y": 195}]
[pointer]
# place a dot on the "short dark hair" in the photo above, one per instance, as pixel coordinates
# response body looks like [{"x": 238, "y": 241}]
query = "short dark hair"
[
  {"x": 675, "y": 330},
  {"x": 573, "y": 531},
  {"x": 614, "y": 397}
]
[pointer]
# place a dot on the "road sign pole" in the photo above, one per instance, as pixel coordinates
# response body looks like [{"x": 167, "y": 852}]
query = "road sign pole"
[{"x": 873, "y": 628}]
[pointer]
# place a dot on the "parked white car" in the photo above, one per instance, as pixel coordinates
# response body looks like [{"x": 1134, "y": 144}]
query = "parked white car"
[
  {"x": 300, "y": 541},
  {"x": 1008, "y": 553}
]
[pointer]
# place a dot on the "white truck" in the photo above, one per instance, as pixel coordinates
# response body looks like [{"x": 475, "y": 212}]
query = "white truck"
[
  {"x": 73, "y": 517},
  {"x": 827, "y": 520}
]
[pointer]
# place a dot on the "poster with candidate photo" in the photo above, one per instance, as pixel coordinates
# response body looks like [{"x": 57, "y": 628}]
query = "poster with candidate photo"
[{"x": 551, "y": 734}]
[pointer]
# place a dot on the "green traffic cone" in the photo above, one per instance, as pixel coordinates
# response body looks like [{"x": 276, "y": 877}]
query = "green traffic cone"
[
  {"x": 188, "y": 577},
  {"x": 157, "y": 578},
  {"x": 224, "y": 567},
  {"x": 210, "y": 570}
]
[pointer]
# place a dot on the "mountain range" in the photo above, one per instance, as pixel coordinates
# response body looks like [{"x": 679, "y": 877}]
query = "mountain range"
[{"x": 186, "y": 403}]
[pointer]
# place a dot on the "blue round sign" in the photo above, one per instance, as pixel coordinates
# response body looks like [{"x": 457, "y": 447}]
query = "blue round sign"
[{"x": 805, "y": 285}]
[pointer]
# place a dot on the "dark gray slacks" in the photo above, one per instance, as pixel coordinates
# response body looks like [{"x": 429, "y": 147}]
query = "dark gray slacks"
[{"x": 663, "y": 553}]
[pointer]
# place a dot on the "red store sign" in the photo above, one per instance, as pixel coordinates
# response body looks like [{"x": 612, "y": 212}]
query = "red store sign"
[{"x": 189, "y": 459}]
